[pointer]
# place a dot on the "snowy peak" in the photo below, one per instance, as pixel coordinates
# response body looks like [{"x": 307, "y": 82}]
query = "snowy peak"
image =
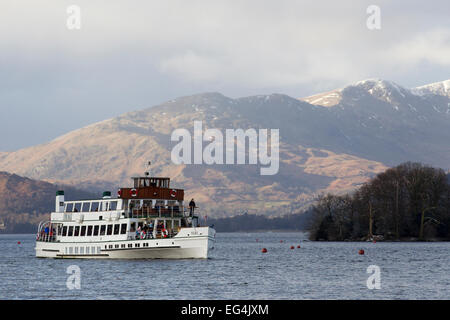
[
  {"x": 384, "y": 90},
  {"x": 387, "y": 91},
  {"x": 379, "y": 85},
  {"x": 438, "y": 88}
]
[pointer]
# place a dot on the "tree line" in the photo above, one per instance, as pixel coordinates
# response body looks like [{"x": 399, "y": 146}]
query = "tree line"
[
  {"x": 410, "y": 201},
  {"x": 255, "y": 222}
]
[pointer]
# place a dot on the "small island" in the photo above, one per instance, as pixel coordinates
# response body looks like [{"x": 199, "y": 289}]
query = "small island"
[{"x": 410, "y": 202}]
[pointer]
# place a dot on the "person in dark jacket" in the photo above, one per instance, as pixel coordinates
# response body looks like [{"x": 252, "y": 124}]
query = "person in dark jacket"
[{"x": 191, "y": 207}]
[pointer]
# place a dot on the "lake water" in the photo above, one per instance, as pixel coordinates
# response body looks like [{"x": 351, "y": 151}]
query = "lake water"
[{"x": 237, "y": 269}]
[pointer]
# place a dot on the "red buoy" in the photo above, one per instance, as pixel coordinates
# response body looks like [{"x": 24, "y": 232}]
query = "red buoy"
[
  {"x": 292, "y": 247},
  {"x": 361, "y": 251},
  {"x": 264, "y": 250},
  {"x": 18, "y": 242},
  {"x": 298, "y": 247},
  {"x": 281, "y": 241}
]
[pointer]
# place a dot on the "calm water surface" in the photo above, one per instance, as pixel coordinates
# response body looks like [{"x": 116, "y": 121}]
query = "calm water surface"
[{"x": 237, "y": 270}]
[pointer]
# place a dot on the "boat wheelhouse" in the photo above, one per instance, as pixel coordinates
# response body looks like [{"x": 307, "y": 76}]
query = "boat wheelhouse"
[{"x": 148, "y": 220}]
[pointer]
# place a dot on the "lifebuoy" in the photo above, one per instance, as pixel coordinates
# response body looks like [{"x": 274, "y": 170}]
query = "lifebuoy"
[
  {"x": 173, "y": 193},
  {"x": 164, "y": 233},
  {"x": 119, "y": 193},
  {"x": 133, "y": 192}
]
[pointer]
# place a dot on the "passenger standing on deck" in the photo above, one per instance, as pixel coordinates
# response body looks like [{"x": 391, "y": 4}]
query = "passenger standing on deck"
[{"x": 191, "y": 207}]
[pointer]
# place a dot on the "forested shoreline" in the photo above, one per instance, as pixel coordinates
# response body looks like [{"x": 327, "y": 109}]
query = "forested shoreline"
[{"x": 408, "y": 202}]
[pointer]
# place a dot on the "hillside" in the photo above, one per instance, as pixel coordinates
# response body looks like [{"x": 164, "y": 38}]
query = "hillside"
[
  {"x": 373, "y": 125},
  {"x": 26, "y": 201}
]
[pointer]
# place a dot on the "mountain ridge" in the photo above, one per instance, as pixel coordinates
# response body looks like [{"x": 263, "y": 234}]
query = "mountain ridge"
[{"x": 322, "y": 149}]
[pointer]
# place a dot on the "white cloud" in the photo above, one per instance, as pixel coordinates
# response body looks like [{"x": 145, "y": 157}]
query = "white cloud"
[
  {"x": 248, "y": 43},
  {"x": 432, "y": 46}
]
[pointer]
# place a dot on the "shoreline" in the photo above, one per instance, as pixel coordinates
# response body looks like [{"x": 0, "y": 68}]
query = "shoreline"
[{"x": 403, "y": 240}]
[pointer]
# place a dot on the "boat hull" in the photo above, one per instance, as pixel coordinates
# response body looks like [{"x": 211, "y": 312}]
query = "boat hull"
[{"x": 192, "y": 243}]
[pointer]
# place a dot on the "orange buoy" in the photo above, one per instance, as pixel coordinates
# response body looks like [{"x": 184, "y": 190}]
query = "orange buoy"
[
  {"x": 264, "y": 250},
  {"x": 361, "y": 251},
  {"x": 292, "y": 247}
]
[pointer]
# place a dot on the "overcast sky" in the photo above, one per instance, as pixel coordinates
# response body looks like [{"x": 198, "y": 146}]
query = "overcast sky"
[{"x": 134, "y": 54}]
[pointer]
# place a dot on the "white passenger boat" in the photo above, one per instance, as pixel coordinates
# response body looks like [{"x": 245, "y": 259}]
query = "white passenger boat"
[{"x": 146, "y": 221}]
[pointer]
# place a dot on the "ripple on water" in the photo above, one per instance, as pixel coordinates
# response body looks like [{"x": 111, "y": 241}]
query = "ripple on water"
[{"x": 237, "y": 270}]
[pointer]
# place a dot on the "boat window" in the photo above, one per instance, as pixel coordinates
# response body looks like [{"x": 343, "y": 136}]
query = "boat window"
[
  {"x": 70, "y": 233},
  {"x": 94, "y": 206},
  {"x": 123, "y": 228},
  {"x": 86, "y": 206},
  {"x": 77, "y": 231},
  {"x": 105, "y": 206},
  {"x": 110, "y": 228},
  {"x": 176, "y": 224},
  {"x": 64, "y": 231},
  {"x": 133, "y": 227},
  {"x": 83, "y": 231},
  {"x": 95, "y": 230},
  {"x": 89, "y": 231},
  {"x": 102, "y": 230},
  {"x": 69, "y": 207},
  {"x": 116, "y": 228},
  {"x": 77, "y": 207},
  {"x": 113, "y": 205}
]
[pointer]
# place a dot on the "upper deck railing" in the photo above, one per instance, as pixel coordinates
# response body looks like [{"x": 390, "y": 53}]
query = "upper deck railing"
[{"x": 157, "y": 212}]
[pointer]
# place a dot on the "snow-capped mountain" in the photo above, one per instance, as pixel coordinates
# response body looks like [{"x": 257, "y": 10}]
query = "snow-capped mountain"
[
  {"x": 381, "y": 89},
  {"x": 373, "y": 124},
  {"x": 438, "y": 88}
]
